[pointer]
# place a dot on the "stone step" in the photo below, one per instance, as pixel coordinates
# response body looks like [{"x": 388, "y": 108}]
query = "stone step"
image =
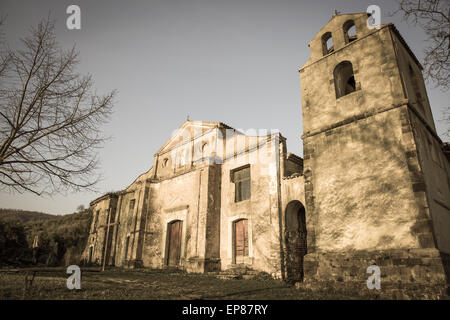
[
  {"x": 228, "y": 276},
  {"x": 235, "y": 273}
]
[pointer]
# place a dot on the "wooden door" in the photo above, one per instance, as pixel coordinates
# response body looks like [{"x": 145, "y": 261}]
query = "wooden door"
[
  {"x": 174, "y": 252},
  {"x": 240, "y": 240}
]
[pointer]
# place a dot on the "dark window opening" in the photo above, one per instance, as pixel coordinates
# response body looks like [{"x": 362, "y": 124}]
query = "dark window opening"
[
  {"x": 241, "y": 179},
  {"x": 351, "y": 85},
  {"x": 131, "y": 209},
  {"x": 350, "y": 31},
  {"x": 344, "y": 79},
  {"x": 327, "y": 43}
]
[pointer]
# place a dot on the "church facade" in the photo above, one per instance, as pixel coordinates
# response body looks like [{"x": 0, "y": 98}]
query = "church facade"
[
  {"x": 213, "y": 199},
  {"x": 372, "y": 187}
]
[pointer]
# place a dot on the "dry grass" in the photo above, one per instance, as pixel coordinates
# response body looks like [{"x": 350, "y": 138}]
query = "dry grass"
[{"x": 150, "y": 284}]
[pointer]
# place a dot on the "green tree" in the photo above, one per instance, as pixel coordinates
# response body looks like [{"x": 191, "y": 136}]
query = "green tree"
[{"x": 13, "y": 243}]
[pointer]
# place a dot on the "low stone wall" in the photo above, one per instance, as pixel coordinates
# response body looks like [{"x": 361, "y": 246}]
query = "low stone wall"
[{"x": 405, "y": 273}]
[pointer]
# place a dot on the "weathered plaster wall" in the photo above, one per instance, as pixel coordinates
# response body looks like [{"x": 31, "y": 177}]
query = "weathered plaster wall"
[
  {"x": 436, "y": 176},
  {"x": 128, "y": 221},
  {"x": 360, "y": 206},
  {"x": 404, "y": 62},
  {"x": 189, "y": 146},
  {"x": 365, "y": 191},
  {"x": 377, "y": 81},
  {"x": 261, "y": 210},
  {"x": 358, "y": 183},
  {"x": 97, "y": 234},
  {"x": 293, "y": 188},
  {"x": 168, "y": 201},
  {"x": 184, "y": 198},
  {"x": 433, "y": 167}
]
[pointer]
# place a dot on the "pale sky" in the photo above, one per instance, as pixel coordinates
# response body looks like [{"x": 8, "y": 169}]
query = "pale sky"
[{"x": 234, "y": 61}]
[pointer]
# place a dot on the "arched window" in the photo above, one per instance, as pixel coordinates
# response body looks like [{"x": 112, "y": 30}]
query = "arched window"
[
  {"x": 350, "y": 31},
  {"x": 165, "y": 162},
  {"x": 204, "y": 149},
  {"x": 327, "y": 43},
  {"x": 344, "y": 79}
]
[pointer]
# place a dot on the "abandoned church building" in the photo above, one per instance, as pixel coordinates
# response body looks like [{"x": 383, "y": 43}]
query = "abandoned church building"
[{"x": 372, "y": 187}]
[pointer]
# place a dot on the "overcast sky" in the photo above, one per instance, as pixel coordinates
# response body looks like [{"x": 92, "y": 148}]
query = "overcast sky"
[{"x": 234, "y": 61}]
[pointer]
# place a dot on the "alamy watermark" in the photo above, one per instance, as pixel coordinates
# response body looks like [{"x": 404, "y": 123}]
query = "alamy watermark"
[
  {"x": 374, "y": 20},
  {"x": 374, "y": 281},
  {"x": 74, "y": 281},
  {"x": 216, "y": 146},
  {"x": 73, "y": 21}
]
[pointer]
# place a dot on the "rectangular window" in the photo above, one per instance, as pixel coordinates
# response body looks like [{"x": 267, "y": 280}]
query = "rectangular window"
[
  {"x": 132, "y": 205},
  {"x": 241, "y": 179}
]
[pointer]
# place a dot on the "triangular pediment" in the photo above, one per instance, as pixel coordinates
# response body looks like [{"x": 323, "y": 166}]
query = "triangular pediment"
[{"x": 189, "y": 130}]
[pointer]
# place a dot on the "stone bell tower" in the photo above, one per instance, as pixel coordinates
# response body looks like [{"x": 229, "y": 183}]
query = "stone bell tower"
[{"x": 376, "y": 178}]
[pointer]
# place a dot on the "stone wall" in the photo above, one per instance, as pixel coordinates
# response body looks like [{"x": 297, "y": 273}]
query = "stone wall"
[{"x": 405, "y": 273}]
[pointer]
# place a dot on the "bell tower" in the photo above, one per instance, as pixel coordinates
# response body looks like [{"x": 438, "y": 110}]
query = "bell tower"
[{"x": 373, "y": 193}]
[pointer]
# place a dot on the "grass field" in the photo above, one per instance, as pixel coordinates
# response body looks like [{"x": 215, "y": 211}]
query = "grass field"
[{"x": 50, "y": 283}]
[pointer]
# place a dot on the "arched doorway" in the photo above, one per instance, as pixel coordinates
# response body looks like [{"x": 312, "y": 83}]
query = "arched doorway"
[
  {"x": 295, "y": 238},
  {"x": 175, "y": 229}
]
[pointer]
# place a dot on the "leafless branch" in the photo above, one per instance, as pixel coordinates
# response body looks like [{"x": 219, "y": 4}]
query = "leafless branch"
[
  {"x": 433, "y": 16},
  {"x": 50, "y": 120}
]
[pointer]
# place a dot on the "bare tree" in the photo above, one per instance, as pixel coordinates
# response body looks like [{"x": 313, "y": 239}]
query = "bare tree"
[
  {"x": 433, "y": 16},
  {"x": 80, "y": 208},
  {"x": 50, "y": 120}
]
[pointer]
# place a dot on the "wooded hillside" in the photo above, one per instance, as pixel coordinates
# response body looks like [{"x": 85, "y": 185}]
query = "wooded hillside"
[{"x": 61, "y": 239}]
